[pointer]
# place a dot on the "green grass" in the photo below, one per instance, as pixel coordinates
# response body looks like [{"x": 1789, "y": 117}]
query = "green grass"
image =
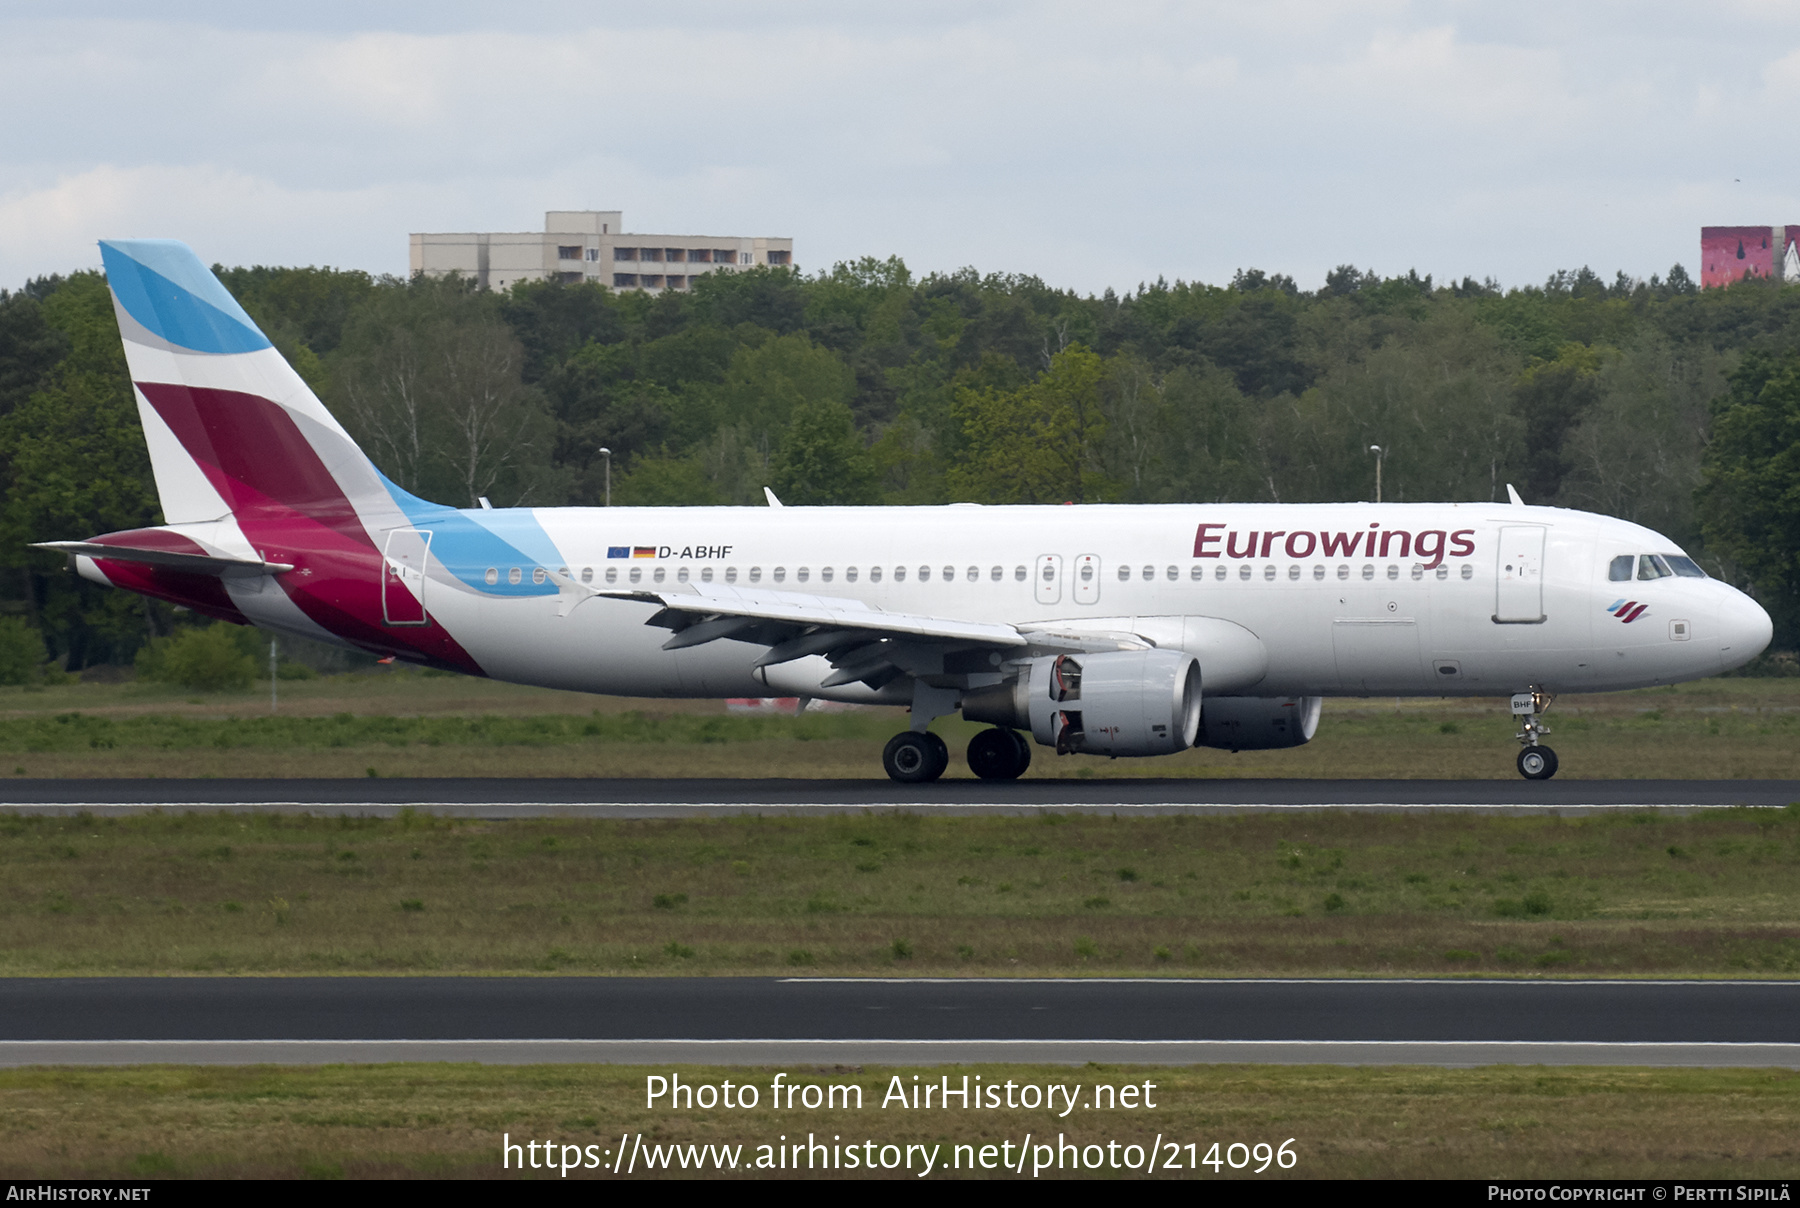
[
  {"x": 446, "y": 1121},
  {"x": 1709, "y": 894},
  {"x": 404, "y": 723}
]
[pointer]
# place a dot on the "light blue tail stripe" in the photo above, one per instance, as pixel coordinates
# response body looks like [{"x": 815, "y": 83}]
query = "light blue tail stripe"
[{"x": 163, "y": 285}]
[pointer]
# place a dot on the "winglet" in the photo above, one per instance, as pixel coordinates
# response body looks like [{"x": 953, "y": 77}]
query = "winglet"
[
  {"x": 1513, "y": 496},
  {"x": 773, "y": 502}
]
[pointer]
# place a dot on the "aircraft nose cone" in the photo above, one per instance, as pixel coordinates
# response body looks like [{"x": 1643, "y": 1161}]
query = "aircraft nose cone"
[{"x": 1744, "y": 630}]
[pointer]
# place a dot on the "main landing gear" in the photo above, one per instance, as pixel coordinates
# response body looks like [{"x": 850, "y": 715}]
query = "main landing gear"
[
  {"x": 999, "y": 754},
  {"x": 1536, "y": 761},
  {"x": 915, "y": 757},
  {"x": 919, "y": 756}
]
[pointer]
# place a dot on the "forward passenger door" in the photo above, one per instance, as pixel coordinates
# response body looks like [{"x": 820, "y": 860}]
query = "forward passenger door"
[{"x": 1519, "y": 581}]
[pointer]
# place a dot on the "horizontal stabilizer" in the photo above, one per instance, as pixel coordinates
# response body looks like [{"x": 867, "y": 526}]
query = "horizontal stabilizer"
[{"x": 199, "y": 564}]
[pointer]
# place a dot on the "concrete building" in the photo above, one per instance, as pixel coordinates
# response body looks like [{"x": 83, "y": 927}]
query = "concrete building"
[{"x": 592, "y": 245}]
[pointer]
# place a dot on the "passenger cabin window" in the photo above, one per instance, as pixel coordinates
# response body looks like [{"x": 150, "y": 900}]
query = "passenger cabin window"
[
  {"x": 1620, "y": 570},
  {"x": 1124, "y": 573},
  {"x": 493, "y": 575},
  {"x": 587, "y": 574},
  {"x": 849, "y": 574},
  {"x": 1019, "y": 573},
  {"x": 1652, "y": 567}
]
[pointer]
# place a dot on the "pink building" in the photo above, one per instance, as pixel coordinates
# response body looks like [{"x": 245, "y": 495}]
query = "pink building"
[{"x": 1731, "y": 253}]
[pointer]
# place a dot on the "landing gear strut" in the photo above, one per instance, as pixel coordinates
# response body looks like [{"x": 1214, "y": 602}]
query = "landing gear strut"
[
  {"x": 918, "y": 756},
  {"x": 1536, "y": 761},
  {"x": 999, "y": 754}
]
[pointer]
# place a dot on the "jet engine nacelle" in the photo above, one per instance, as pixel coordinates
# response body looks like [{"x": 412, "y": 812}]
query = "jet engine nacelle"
[
  {"x": 1128, "y": 702},
  {"x": 1259, "y": 723}
]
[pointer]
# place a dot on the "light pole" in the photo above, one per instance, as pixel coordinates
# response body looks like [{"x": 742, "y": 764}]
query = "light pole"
[
  {"x": 1379, "y": 454},
  {"x": 607, "y": 453}
]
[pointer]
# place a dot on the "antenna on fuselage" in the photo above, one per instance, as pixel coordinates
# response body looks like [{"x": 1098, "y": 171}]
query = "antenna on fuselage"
[
  {"x": 1513, "y": 496},
  {"x": 773, "y": 502}
]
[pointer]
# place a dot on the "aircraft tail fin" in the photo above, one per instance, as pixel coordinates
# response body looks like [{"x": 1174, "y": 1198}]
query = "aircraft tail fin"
[{"x": 232, "y": 429}]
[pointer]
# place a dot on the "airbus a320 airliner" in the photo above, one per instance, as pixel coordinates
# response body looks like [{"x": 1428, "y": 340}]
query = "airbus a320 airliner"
[{"x": 1113, "y": 630}]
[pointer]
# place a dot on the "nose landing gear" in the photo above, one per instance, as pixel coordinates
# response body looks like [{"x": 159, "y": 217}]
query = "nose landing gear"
[{"x": 1536, "y": 761}]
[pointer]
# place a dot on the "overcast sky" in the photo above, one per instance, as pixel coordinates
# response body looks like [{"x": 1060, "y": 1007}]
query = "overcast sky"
[{"x": 1091, "y": 145}]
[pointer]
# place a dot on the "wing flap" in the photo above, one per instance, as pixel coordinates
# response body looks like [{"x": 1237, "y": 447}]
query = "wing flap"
[{"x": 682, "y": 611}]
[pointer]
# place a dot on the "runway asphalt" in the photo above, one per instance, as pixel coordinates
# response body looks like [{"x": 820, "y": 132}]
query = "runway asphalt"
[
  {"x": 759, "y": 1021},
  {"x": 666, "y": 797}
]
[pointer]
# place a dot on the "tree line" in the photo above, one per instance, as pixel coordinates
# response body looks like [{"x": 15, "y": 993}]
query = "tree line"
[{"x": 1648, "y": 400}]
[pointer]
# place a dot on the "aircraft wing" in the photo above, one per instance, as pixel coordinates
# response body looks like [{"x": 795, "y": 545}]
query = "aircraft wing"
[{"x": 862, "y": 643}]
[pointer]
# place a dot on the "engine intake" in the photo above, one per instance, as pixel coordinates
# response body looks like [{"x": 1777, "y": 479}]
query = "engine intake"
[
  {"x": 1259, "y": 723},
  {"x": 1129, "y": 702}
]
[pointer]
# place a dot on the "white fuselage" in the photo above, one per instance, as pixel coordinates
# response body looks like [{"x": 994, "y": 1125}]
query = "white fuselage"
[{"x": 1453, "y": 609}]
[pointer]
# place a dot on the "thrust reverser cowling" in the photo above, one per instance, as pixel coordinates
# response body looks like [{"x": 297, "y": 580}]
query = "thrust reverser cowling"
[
  {"x": 1259, "y": 723},
  {"x": 1129, "y": 702}
]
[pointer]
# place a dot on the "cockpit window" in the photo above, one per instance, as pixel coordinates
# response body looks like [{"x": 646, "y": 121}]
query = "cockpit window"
[
  {"x": 1651, "y": 566},
  {"x": 1621, "y": 568},
  {"x": 1684, "y": 566}
]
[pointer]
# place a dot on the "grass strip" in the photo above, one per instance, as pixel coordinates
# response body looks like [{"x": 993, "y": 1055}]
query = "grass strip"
[
  {"x": 409, "y": 724},
  {"x": 1323, "y": 893},
  {"x": 411, "y": 1121}
]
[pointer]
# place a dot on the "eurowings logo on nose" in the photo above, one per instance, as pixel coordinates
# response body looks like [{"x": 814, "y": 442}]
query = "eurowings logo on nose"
[{"x": 1627, "y": 610}]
